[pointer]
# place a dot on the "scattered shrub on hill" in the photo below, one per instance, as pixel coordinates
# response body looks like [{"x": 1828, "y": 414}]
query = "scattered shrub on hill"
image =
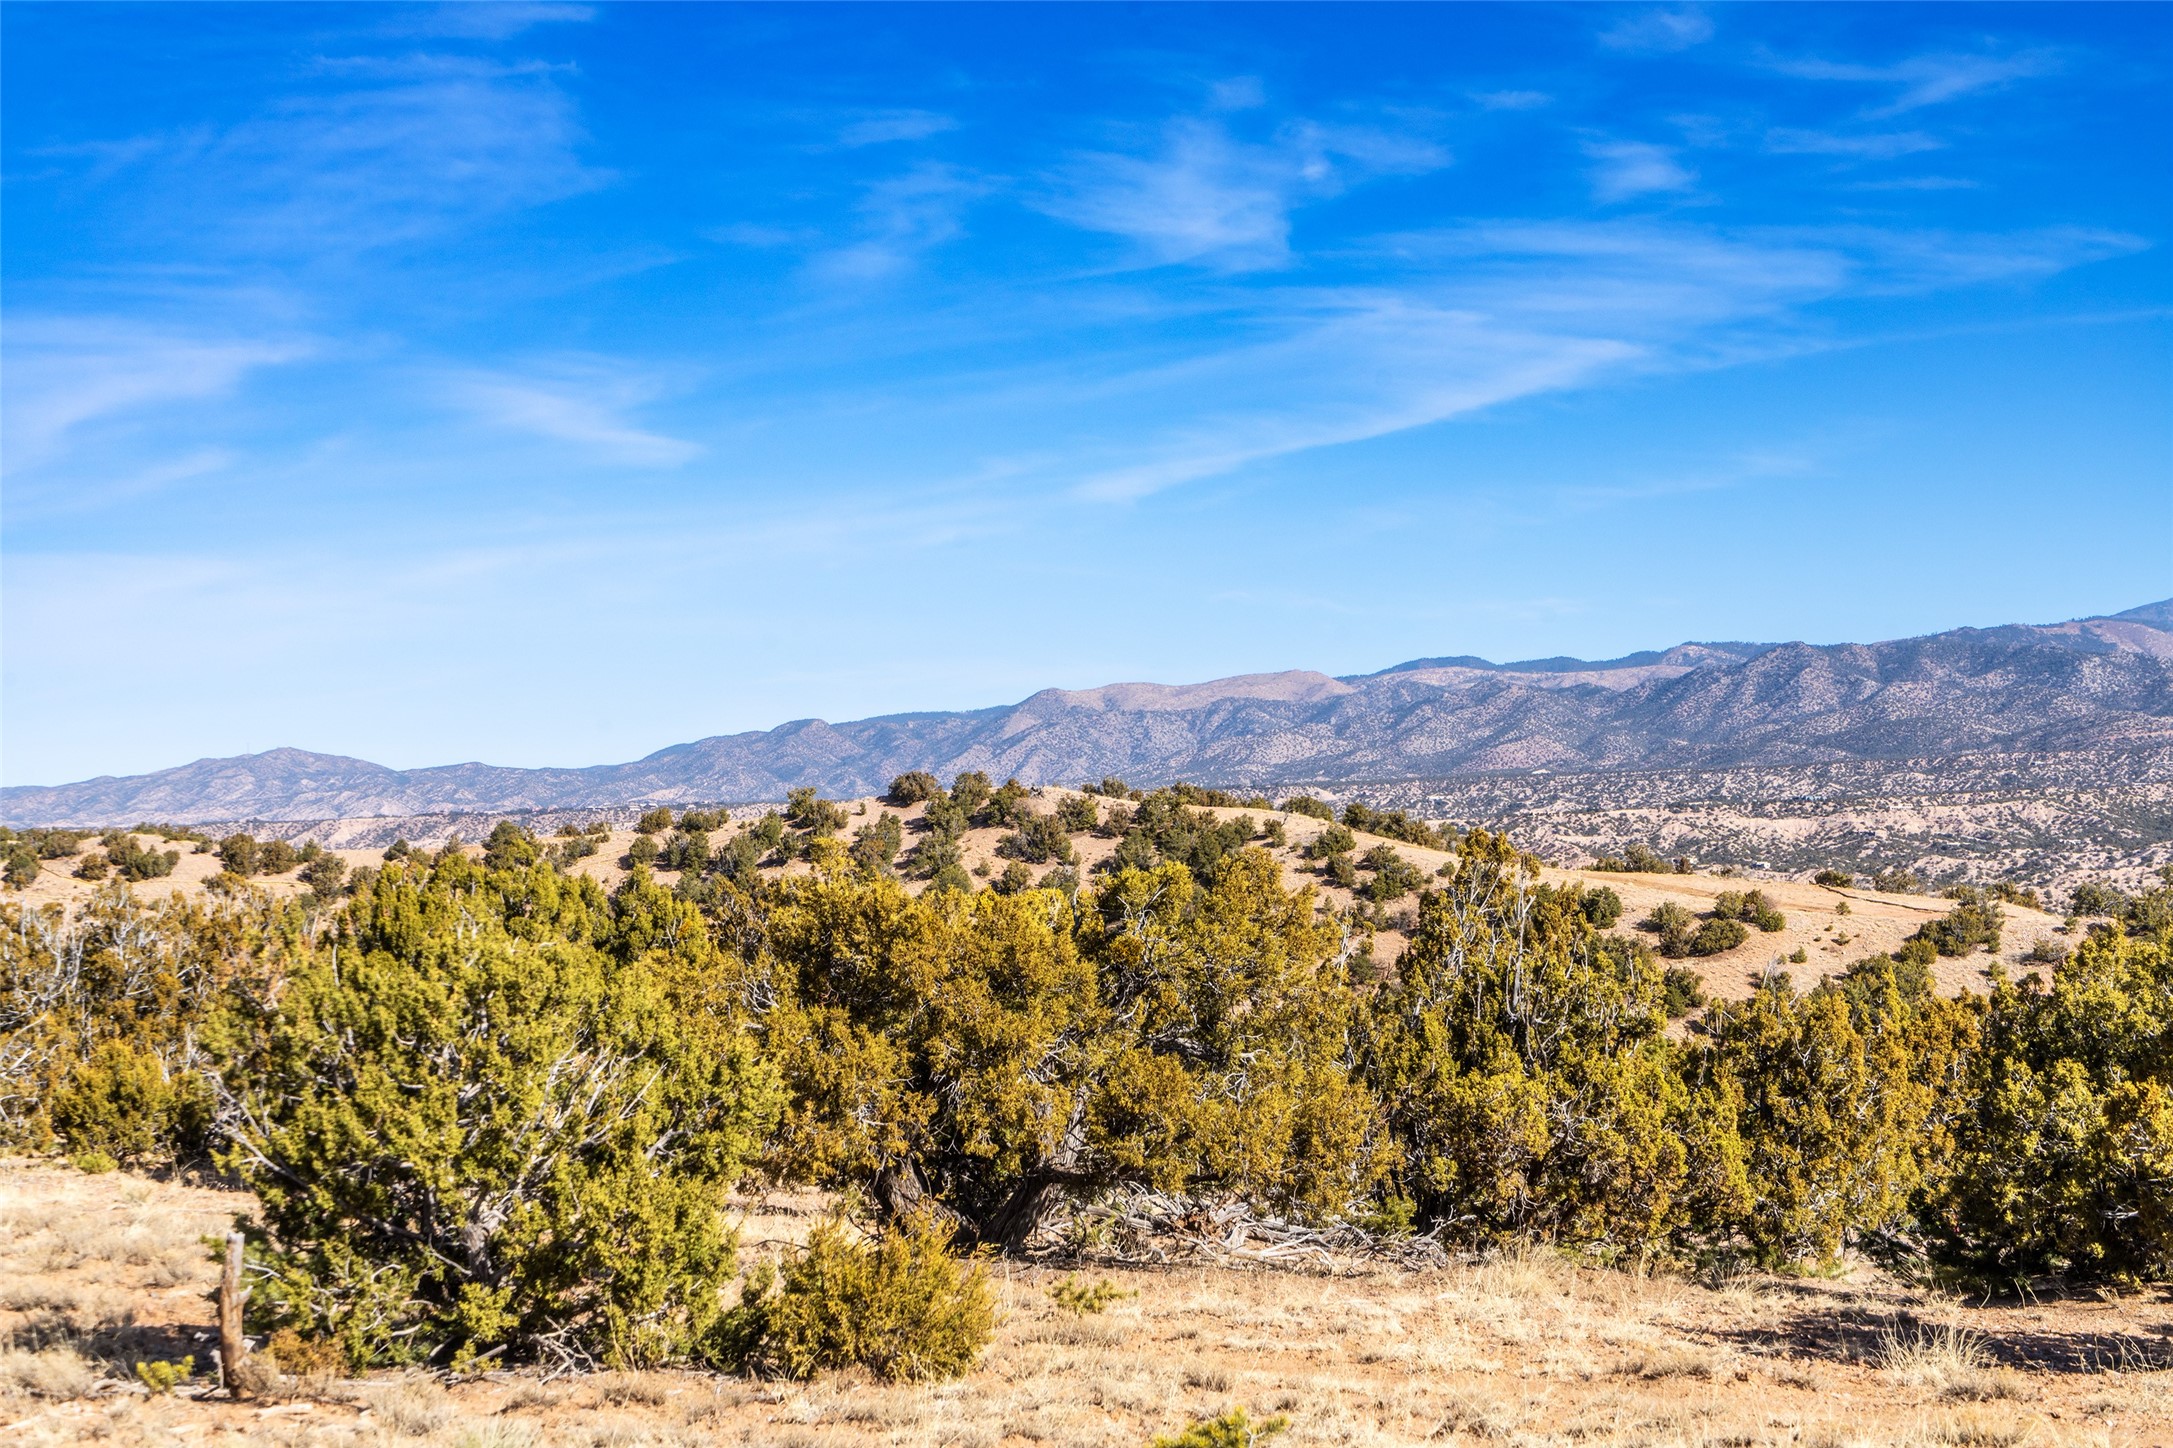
[
  {"x": 900, "y": 1307},
  {"x": 1334, "y": 840},
  {"x": 1038, "y": 839},
  {"x": 1712, "y": 937},
  {"x": 642, "y": 852},
  {"x": 132, "y": 861},
  {"x": 1638, "y": 860},
  {"x": 1200, "y": 796},
  {"x": 768, "y": 832},
  {"x": 1007, "y": 805},
  {"x": 1340, "y": 871},
  {"x": 1602, "y": 907},
  {"x": 22, "y": 867},
  {"x": 916, "y": 786},
  {"x": 1674, "y": 924},
  {"x": 1750, "y": 907},
  {"x": 1194, "y": 838},
  {"x": 655, "y": 821},
  {"x": 1393, "y": 824},
  {"x": 807, "y": 811},
  {"x": 2009, "y": 893},
  {"x": 1274, "y": 832},
  {"x": 2147, "y": 913},
  {"x": 1898, "y": 881},
  {"x": 1305, "y": 804},
  {"x": 971, "y": 790},
  {"x": 1016, "y": 876},
  {"x": 703, "y": 821},
  {"x": 1393, "y": 876},
  {"x": 325, "y": 874},
  {"x": 1111, "y": 787},
  {"x": 509, "y": 847},
  {"x": 1079, "y": 813},
  {"x": 1834, "y": 879},
  {"x": 277, "y": 857},
  {"x": 932, "y": 855},
  {"x": 877, "y": 843},
  {"x": 684, "y": 851},
  {"x": 1974, "y": 922},
  {"x": 93, "y": 866},
  {"x": 238, "y": 853},
  {"x": 566, "y": 851}
]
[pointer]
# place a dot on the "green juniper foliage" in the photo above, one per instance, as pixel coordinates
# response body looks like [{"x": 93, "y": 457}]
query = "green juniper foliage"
[{"x": 480, "y": 1124}]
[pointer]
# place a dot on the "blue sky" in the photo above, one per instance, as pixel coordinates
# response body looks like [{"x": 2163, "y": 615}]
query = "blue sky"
[{"x": 551, "y": 383}]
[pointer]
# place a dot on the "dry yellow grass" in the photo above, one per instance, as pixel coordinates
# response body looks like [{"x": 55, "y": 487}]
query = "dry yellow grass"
[{"x": 1526, "y": 1350}]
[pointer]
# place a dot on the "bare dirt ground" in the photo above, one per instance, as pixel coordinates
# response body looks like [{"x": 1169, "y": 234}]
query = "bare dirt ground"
[
  {"x": 98, "y": 1273},
  {"x": 1831, "y": 927}
]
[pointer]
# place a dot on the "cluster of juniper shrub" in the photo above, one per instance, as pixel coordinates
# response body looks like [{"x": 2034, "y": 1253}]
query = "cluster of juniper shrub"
[{"x": 491, "y": 1111}]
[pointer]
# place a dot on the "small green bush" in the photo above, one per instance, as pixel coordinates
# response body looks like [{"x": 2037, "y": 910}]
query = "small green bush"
[
  {"x": 1834, "y": 879},
  {"x": 1602, "y": 907},
  {"x": 93, "y": 1163},
  {"x": 164, "y": 1377},
  {"x": 1674, "y": 925},
  {"x": 654, "y": 822},
  {"x": 1683, "y": 991},
  {"x": 123, "y": 1104},
  {"x": 1082, "y": 1299},
  {"x": 1715, "y": 936},
  {"x": 1305, "y": 804},
  {"x": 1334, "y": 840},
  {"x": 901, "y": 1306},
  {"x": 1232, "y": 1430},
  {"x": 916, "y": 786}
]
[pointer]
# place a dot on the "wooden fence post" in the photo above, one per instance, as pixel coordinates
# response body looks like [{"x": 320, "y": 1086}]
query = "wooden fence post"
[{"x": 232, "y": 1346}]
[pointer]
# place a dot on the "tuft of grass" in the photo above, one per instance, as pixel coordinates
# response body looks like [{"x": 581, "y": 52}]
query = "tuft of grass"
[
  {"x": 60, "y": 1373},
  {"x": 1952, "y": 1361},
  {"x": 415, "y": 1408}
]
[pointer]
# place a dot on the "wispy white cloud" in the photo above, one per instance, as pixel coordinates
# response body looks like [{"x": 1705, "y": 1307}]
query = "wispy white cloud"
[
  {"x": 1625, "y": 169},
  {"x": 1512, "y": 100},
  {"x": 1373, "y": 365},
  {"x": 1496, "y": 312},
  {"x": 401, "y": 148},
  {"x": 1659, "y": 32},
  {"x": 1877, "y": 146},
  {"x": 488, "y": 19},
  {"x": 1925, "y": 80},
  {"x": 66, "y": 372},
  {"x": 1207, "y": 196},
  {"x": 582, "y": 402},
  {"x": 1238, "y": 93},
  {"x": 900, "y": 125},
  {"x": 902, "y": 217}
]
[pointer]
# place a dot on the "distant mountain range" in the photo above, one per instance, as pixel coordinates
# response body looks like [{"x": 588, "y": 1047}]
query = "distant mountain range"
[{"x": 2075, "y": 685}]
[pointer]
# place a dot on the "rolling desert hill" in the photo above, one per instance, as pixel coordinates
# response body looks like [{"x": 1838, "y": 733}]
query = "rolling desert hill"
[{"x": 2097, "y": 684}]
